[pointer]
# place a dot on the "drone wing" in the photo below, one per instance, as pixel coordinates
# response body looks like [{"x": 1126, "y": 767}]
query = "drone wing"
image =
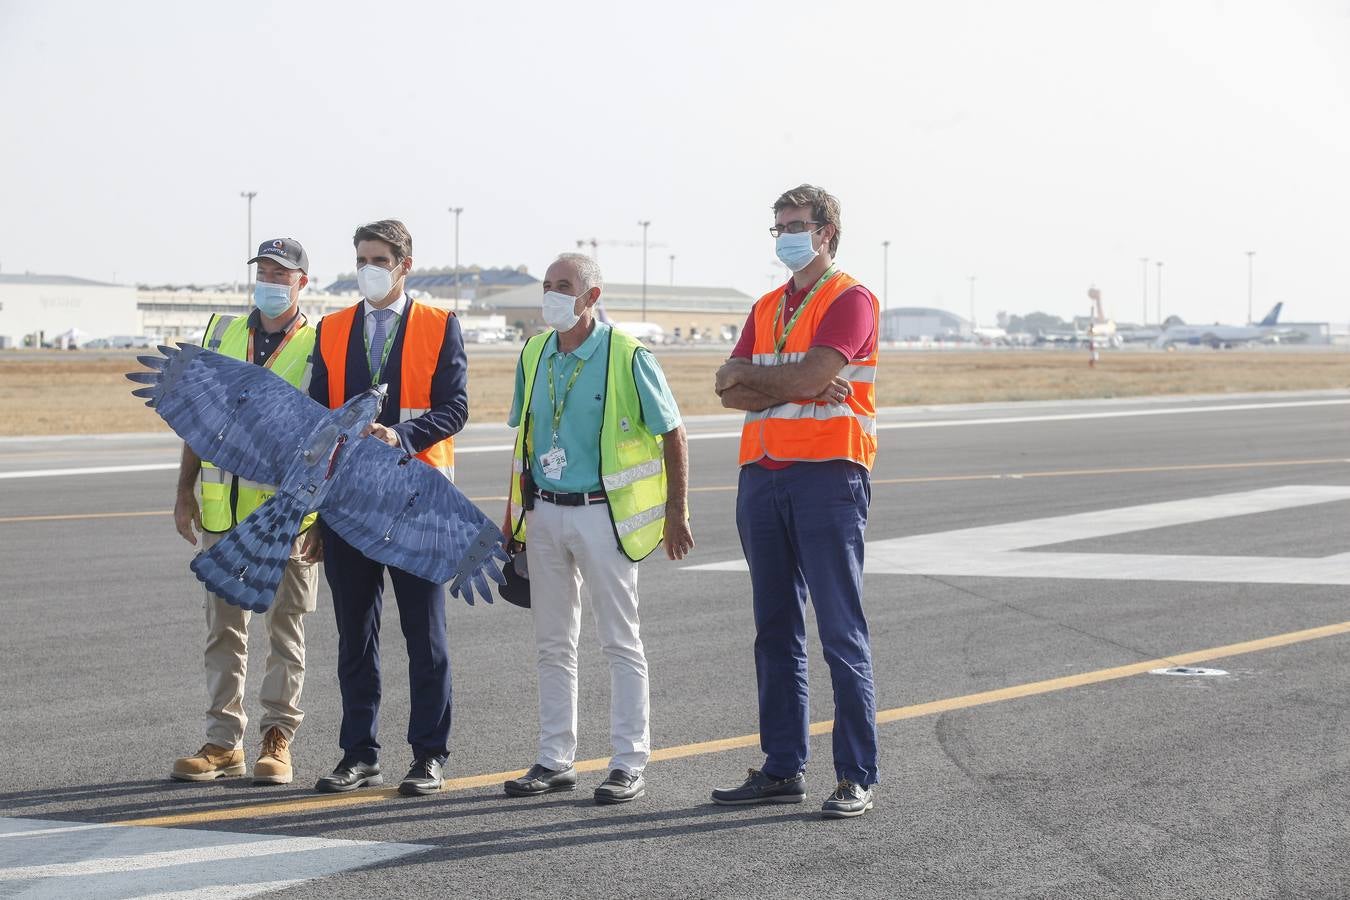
[
  {"x": 240, "y": 417},
  {"x": 399, "y": 511}
]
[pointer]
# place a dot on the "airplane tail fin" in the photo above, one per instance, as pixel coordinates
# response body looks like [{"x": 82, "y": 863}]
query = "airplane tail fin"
[
  {"x": 1273, "y": 316},
  {"x": 246, "y": 566}
]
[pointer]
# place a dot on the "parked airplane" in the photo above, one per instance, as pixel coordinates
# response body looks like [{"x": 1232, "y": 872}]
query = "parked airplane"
[
  {"x": 1216, "y": 335},
  {"x": 647, "y": 332}
]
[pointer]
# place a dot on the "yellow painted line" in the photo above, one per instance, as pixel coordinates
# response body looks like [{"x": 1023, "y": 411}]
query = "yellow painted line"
[
  {"x": 918, "y": 479},
  {"x": 320, "y": 803},
  {"x": 68, "y": 516}
]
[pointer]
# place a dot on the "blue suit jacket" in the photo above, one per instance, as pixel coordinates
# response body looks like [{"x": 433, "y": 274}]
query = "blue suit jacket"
[{"x": 449, "y": 383}]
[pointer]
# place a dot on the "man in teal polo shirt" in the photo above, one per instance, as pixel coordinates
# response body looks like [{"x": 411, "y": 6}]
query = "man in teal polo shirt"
[{"x": 603, "y": 478}]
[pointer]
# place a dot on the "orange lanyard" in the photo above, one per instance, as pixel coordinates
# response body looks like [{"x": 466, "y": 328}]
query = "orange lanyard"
[{"x": 290, "y": 333}]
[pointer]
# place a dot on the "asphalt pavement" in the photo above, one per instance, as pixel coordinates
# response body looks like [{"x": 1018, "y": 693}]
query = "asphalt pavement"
[{"x": 1027, "y": 751}]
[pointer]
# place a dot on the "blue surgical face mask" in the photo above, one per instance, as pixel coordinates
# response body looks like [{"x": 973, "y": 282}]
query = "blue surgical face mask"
[
  {"x": 796, "y": 250},
  {"x": 271, "y": 299}
]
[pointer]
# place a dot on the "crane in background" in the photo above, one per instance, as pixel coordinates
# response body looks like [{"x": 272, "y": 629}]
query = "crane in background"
[{"x": 595, "y": 245}]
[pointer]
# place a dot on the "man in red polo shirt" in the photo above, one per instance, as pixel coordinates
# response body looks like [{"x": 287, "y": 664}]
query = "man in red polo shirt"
[{"x": 804, "y": 371}]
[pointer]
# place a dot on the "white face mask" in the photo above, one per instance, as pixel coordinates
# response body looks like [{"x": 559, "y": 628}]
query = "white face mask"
[
  {"x": 560, "y": 311},
  {"x": 374, "y": 282}
]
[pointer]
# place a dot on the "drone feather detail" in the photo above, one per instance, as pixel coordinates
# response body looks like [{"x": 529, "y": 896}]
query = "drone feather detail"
[{"x": 393, "y": 508}]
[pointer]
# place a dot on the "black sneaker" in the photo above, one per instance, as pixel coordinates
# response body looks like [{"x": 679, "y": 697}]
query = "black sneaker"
[
  {"x": 620, "y": 787},
  {"x": 541, "y": 780},
  {"x": 761, "y": 788},
  {"x": 424, "y": 777},
  {"x": 847, "y": 801}
]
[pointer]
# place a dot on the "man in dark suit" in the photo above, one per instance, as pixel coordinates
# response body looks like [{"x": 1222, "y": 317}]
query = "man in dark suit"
[{"x": 418, "y": 350}]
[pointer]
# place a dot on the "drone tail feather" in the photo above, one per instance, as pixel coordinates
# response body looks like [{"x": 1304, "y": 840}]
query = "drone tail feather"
[{"x": 245, "y": 567}]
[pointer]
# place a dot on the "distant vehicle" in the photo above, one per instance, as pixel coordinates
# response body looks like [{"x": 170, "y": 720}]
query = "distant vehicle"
[
  {"x": 1267, "y": 331},
  {"x": 989, "y": 334},
  {"x": 647, "y": 332}
]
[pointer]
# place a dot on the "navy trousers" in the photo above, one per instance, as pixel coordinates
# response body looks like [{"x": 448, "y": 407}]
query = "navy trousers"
[
  {"x": 357, "y": 584},
  {"x": 802, "y": 532}
]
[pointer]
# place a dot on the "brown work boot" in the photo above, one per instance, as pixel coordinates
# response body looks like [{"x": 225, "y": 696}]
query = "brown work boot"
[
  {"x": 274, "y": 759},
  {"x": 209, "y": 763}
]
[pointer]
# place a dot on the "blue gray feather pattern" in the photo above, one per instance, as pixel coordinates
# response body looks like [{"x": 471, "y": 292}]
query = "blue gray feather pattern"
[{"x": 391, "y": 507}]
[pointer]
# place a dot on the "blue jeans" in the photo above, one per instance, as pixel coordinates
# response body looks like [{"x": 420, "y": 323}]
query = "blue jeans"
[{"x": 801, "y": 530}]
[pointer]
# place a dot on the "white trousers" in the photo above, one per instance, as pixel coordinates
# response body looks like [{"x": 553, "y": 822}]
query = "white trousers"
[{"x": 566, "y": 546}]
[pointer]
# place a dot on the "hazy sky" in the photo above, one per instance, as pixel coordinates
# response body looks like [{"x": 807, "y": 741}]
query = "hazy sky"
[{"x": 1040, "y": 146}]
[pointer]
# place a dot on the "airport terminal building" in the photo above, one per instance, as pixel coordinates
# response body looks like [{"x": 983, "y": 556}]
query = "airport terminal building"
[
  {"x": 63, "y": 311},
  {"x": 59, "y": 310}
]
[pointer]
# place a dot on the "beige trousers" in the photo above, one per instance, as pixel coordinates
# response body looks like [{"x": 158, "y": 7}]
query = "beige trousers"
[{"x": 227, "y": 655}]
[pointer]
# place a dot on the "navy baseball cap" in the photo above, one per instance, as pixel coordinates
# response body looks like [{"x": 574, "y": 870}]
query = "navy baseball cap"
[{"x": 286, "y": 251}]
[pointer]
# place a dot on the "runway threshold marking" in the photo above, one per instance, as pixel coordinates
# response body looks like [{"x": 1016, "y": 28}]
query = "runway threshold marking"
[
  {"x": 319, "y": 803},
  {"x": 917, "y": 479}
]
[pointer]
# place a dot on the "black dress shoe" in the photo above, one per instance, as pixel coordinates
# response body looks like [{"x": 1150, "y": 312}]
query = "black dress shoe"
[
  {"x": 540, "y": 780},
  {"x": 620, "y": 787},
  {"x": 424, "y": 777},
  {"x": 762, "y": 788},
  {"x": 349, "y": 775}
]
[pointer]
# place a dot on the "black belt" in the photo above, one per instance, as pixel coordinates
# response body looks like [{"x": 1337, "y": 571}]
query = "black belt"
[{"x": 571, "y": 499}]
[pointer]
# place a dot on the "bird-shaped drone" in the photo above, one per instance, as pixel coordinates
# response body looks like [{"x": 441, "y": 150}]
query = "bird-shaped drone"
[{"x": 391, "y": 507}]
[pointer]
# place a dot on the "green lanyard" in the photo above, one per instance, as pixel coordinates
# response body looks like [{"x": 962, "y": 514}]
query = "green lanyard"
[
  {"x": 558, "y": 407},
  {"x": 388, "y": 344},
  {"x": 782, "y": 302}
]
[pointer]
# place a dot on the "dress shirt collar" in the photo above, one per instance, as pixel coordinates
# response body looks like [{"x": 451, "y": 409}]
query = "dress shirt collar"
[
  {"x": 588, "y": 347},
  {"x": 397, "y": 307}
]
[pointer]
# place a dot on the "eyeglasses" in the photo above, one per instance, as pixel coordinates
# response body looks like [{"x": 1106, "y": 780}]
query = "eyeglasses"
[{"x": 791, "y": 228}]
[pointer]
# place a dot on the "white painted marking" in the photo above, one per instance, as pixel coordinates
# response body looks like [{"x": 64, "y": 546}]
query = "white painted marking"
[
  {"x": 999, "y": 551},
  {"x": 89, "y": 470},
  {"x": 726, "y": 435},
  {"x": 65, "y": 860}
]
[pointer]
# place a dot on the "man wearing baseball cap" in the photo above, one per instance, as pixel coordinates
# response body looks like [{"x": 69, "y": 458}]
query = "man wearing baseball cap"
[{"x": 274, "y": 334}]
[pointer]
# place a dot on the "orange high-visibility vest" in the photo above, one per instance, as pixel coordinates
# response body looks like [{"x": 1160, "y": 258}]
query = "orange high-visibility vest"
[
  {"x": 423, "y": 335},
  {"x": 806, "y": 431}
]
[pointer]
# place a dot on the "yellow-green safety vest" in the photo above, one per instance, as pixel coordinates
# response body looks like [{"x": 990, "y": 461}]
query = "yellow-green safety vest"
[
  {"x": 226, "y": 498},
  {"x": 632, "y": 461}
]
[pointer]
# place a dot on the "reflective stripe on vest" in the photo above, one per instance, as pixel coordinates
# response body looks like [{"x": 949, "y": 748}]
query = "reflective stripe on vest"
[
  {"x": 632, "y": 470},
  {"x": 423, "y": 333},
  {"x": 226, "y": 498},
  {"x": 811, "y": 431}
]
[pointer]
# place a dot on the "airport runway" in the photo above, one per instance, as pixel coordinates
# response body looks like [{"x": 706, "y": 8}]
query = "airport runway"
[{"x": 1029, "y": 565}]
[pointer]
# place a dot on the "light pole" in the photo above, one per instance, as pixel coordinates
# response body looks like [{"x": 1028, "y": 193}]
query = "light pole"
[
  {"x": 1250, "y": 254},
  {"x": 456, "y": 210},
  {"x": 972, "y": 305},
  {"x": 1144, "y": 268},
  {"x": 1160, "y": 316},
  {"x": 248, "y": 280},
  {"x": 885, "y": 274},
  {"x": 645, "y": 225},
  {"x": 672, "y": 270},
  {"x": 885, "y": 285}
]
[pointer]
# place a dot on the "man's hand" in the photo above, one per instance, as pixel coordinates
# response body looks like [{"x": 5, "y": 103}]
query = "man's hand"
[
  {"x": 382, "y": 433},
  {"x": 727, "y": 375},
  {"x": 187, "y": 516},
  {"x": 679, "y": 539},
  {"x": 836, "y": 391},
  {"x": 311, "y": 545}
]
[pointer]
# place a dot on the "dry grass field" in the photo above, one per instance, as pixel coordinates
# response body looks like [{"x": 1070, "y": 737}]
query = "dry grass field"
[{"x": 51, "y": 393}]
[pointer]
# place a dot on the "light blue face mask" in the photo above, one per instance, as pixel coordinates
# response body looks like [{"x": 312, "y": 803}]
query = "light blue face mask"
[
  {"x": 271, "y": 299},
  {"x": 795, "y": 250}
]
